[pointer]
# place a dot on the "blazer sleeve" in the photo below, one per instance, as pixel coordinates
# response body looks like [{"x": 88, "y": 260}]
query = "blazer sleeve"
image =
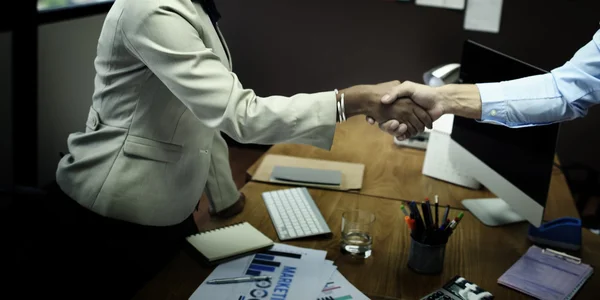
[
  {"x": 167, "y": 43},
  {"x": 220, "y": 187}
]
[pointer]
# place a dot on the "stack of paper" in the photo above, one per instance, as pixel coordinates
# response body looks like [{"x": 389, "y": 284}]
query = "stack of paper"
[{"x": 297, "y": 273}]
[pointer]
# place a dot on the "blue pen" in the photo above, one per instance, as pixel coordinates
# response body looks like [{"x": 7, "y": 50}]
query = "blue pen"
[
  {"x": 437, "y": 216},
  {"x": 445, "y": 216},
  {"x": 425, "y": 206}
]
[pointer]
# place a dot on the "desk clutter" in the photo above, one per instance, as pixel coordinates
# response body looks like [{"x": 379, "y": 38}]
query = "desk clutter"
[
  {"x": 547, "y": 274},
  {"x": 429, "y": 235},
  {"x": 278, "y": 273},
  {"x": 252, "y": 266},
  {"x": 428, "y": 229}
]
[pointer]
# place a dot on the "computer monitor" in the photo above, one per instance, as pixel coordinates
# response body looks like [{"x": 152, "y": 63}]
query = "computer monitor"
[{"x": 513, "y": 163}]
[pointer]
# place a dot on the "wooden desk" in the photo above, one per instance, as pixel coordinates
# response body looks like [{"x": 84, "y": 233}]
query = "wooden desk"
[
  {"x": 396, "y": 172},
  {"x": 475, "y": 251}
]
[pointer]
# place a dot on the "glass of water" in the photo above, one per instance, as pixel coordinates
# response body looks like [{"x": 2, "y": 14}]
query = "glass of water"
[{"x": 357, "y": 233}]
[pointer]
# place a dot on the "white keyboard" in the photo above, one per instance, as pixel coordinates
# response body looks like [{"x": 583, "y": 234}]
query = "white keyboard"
[{"x": 294, "y": 214}]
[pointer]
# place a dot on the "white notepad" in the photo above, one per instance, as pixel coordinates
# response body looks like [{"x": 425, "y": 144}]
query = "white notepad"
[{"x": 229, "y": 242}]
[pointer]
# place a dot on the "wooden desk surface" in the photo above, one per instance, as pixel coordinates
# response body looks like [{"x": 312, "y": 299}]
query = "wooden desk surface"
[
  {"x": 396, "y": 172},
  {"x": 475, "y": 251}
]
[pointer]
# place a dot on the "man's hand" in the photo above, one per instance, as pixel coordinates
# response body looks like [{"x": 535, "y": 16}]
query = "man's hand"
[
  {"x": 366, "y": 99},
  {"x": 458, "y": 99},
  {"x": 429, "y": 98}
]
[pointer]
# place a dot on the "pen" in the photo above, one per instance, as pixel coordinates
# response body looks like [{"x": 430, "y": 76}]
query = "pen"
[
  {"x": 455, "y": 222},
  {"x": 403, "y": 210},
  {"x": 437, "y": 216},
  {"x": 451, "y": 225},
  {"x": 460, "y": 216},
  {"x": 445, "y": 218},
  {"x": 416, "y": 216},
  {"x": 238, "y": 279},
  {"x": 425, "y": 206},
  {"x": 409, "y": 222},
  {"x": 429, "y": 212}
]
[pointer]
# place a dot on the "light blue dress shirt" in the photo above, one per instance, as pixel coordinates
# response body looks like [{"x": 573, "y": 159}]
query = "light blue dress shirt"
[{"x": 563, "y": 94}]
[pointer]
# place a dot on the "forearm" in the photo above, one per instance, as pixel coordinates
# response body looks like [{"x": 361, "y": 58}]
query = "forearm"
[
  {"x": 461, "y": 100},
  {"x": 301, "y": 119},
  {"x": 565, "y": 93}
]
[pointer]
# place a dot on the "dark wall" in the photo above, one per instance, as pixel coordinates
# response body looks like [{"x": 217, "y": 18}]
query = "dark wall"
[{"x": 291, "y": 46}]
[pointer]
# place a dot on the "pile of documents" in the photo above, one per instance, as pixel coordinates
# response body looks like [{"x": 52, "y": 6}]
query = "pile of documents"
[{"x": 296, "y": 273}]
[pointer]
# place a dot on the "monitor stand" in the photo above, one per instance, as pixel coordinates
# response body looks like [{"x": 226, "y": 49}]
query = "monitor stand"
[{"x": 492, "y": 211}]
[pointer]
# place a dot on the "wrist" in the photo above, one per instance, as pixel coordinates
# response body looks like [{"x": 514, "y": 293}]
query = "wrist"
[
  {"x": 461, "y": 100},
  {"x": 354, "y": 102}
]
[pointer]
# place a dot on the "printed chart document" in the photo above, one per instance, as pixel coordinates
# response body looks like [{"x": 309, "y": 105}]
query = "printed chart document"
[
  {"x": 483, "y": 15},
  {"x": 339, "y": 288},
  {"x": 297, "y": 273},
  {"x": 452, "y": 4}
]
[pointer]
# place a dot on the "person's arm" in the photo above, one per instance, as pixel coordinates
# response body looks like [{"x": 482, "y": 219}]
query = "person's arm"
[
  {"x": 566, "y": 93},
  {"x": 173, "y": 50},
  {"x": 457, "y": 99}
]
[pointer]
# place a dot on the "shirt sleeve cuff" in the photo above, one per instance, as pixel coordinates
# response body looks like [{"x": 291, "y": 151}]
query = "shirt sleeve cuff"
[{"x": 493, "y": 103}]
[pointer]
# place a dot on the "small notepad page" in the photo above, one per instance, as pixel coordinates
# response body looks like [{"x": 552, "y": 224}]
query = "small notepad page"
[
  {"x": 544, "y": 276},
  {"x": 229, "y": 241}
]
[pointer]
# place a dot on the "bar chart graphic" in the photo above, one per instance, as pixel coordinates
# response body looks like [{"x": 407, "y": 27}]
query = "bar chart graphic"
[
  {"x": 347, "y": 297},
  {"x": 267, "y": 262},
  {"x": 339, "y": 288},
  {"x": 329, "y": 288}
]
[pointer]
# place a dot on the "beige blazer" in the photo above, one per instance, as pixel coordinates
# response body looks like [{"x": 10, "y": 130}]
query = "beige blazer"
[{"x": 163, "y": 91}]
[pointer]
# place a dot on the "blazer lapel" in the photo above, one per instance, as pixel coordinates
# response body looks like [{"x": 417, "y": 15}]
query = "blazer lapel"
[{"x": 211, "y": 10}]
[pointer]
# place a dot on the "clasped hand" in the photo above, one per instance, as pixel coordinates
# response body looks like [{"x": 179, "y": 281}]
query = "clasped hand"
[{"x": 401, "y": 109}]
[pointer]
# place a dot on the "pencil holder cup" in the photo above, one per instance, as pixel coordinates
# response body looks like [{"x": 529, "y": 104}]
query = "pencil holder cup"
[{"x": 426, "y": 259}]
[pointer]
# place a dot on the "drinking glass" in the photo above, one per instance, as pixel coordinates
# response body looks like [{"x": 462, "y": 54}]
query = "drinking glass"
[{"x": 357, "y": 233}]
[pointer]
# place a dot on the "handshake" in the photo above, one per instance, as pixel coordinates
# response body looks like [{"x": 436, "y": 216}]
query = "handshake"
[{"x": 406, "y": 109}]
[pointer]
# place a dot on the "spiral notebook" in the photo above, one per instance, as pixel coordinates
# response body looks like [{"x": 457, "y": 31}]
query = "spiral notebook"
[
  {"x": 229, "y": 242},
  {"x": 545, "y": 274}
]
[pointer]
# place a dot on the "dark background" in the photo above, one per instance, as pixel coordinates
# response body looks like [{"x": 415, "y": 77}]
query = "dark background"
[{"x": 291, "y": 46}]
